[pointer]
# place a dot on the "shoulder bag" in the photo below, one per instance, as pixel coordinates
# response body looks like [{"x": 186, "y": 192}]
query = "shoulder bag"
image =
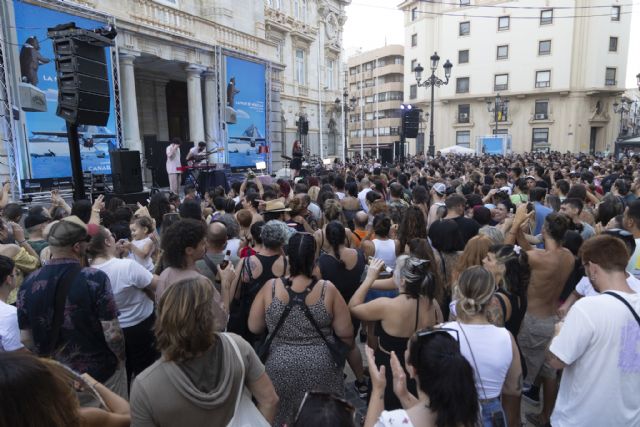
[
  {"x": 62, "y": 290},
  {"x": 246, "y": 413},
  {"x": 625, "y": 302}
]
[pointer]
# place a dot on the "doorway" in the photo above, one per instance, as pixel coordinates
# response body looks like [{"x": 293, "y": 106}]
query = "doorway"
[{"x": 592, "y": 140}]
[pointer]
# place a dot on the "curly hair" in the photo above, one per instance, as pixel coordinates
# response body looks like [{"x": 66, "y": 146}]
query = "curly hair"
[
  {"x": 381, "y": 225},
  {"x": 274, "y": 234},
  {"x": 185, "y": 326},
  {"x": 183, "y": 234},
  {"x": 412, "y": 226}
]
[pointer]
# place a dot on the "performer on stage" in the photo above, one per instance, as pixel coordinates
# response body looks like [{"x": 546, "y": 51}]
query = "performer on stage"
[
  {"x": 296, "y": 162},
  {"x": 198, "y": 154},
  {"x": 173, "y": 163}
]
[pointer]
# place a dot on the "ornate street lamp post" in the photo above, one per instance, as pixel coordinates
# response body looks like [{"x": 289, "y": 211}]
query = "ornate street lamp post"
[{"x": 499, "y": 105}]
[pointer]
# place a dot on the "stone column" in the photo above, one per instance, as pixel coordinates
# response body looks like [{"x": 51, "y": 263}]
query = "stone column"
[
  {"x": 162, "y": 121},
  {"x": 129, "y": 103},
  {"x": 194, "y": 94},
  {"x": 211, "y": 119}
]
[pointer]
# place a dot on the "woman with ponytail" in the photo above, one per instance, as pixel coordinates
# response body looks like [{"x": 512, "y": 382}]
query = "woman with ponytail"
[
  {"x": 397, "y": 319},
  {"x": 447, "y": 394},
  {"x": 343, "y": 267},
  {"x": 490, "y": 350}
]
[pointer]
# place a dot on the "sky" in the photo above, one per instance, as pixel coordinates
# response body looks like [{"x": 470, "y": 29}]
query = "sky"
[{"x": 372, "y": 22}]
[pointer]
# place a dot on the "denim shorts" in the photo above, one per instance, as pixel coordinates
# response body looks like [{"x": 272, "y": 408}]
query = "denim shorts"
[{"x": 489, "y": 408}]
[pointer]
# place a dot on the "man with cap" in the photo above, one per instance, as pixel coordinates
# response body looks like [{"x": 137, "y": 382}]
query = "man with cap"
[
  {"x": 69, "y": 313},
  {"x": 34, "y": 223},
  {"x": 438, "y": 194}
]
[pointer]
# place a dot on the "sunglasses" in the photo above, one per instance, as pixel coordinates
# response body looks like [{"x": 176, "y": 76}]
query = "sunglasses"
[{"x": 325, "y": 397}]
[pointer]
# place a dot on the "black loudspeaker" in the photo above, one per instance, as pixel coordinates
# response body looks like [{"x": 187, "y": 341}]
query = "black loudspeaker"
[
  {"x": 411, "y": 122},
  {"x": 126, "y": 171},
  {"x": 129, "y": 198},
  {"x": 83, "y": 82}
]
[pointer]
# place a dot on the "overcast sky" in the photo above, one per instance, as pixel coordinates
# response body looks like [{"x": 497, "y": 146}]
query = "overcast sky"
[{"x": 370, "y": 23}]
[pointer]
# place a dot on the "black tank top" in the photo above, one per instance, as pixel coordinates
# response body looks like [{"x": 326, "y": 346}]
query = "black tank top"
[
  {"x": 267, "y": 268},
  {"x": 390, "y": 342},
  {"x": 518, "y": 309}
]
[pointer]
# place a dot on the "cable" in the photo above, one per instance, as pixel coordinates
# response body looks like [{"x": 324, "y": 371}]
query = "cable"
[
  {"x": 468, "y": 15},
  {"x": 496, "y": 6}
]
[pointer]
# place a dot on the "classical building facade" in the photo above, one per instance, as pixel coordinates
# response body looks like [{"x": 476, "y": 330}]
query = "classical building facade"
[
  {"x": 375, "y": 82},
  {"x": 561, "y": 69},
  {"x": 170, "y": 55}
]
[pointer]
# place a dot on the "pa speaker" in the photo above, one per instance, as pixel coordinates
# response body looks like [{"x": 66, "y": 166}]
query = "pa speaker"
[{"x": 126, "y": 171}]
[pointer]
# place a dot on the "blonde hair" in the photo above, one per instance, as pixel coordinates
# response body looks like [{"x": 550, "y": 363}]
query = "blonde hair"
[
  {"x": 185, "y": 326},
  {"x": 473, "y": 291},
  {"x": 333, "y": 210},
  {"x": 313, "y": 193}
]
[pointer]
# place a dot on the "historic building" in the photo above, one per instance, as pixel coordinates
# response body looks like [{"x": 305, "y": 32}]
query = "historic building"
[
  {"x": 561, "y": 66},
  {"x": 171, "y": 77}
]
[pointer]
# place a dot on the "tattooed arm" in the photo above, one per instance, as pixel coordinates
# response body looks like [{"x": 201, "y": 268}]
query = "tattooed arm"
[
  {"x": 114, "y": 337},
  {"x": 495, "y": 314}
]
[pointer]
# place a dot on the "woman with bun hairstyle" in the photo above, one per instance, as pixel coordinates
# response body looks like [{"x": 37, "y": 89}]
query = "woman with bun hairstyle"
[
  {"x": 490, "y": 350},
  {"x": 447, "y": 394},
  {"x": 343, "y": 267},
  {"x": 397, "y": 319}
]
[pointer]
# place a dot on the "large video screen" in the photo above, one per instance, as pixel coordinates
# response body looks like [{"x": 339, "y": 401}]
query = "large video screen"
[
  {"x": 48, "y": 148},
  {"x": 245, "y": 93}
]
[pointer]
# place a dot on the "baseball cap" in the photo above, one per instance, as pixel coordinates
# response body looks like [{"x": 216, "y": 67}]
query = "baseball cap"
[
  {"x": 440, "y": 188},
  {"x": 529, "y": 177},
  {"x": 506, "y": 189},
  {"x": 71, "y": 230},
  {"x": 35, "y": 219}
]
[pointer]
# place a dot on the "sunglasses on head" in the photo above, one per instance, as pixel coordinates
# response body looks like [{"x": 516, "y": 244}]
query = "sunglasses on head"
[
  {"x": 431, "y": 331},
  {"x": 325, "y": 397}
]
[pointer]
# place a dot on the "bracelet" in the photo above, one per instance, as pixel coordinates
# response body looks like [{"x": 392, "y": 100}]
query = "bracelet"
[
  {"x": 22, "y": 242},
  {"x": 96, "y": 210}
]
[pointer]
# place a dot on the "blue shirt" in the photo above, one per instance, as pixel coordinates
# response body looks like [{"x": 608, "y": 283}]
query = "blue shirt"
[
  {"x": 541, "y": 213},
  {"x": 90, "y": 300}
]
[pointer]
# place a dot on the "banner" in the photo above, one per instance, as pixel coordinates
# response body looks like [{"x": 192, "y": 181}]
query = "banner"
[
  {"x": 47, "y": 146},
  {"x": 246, "y": 97}
]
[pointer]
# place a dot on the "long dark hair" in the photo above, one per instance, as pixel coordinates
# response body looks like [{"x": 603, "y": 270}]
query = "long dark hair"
[
  {"x": 516, "y": 269},
  {"x": 447, "y": 378},
  {"x": 301, "y": 251},
  {"x": 336, "y": 236},
  {"x": 411, "y": 226}
]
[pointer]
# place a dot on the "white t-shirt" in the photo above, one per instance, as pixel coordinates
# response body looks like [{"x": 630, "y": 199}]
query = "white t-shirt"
[
  {"x": 340, "y": 195},
  {"x": 585, "y": 288},
  {"x": 9, "y": 329},
  {"x": 600, "y": 343},
  {"x": 128, "y": 278},
  {"x": 233, "y": 245},
  {"x": 362, "y": 196},
  {"x": 493, "y": 353},
  {"x": 147, "y": 262},
  {"x": 399, "y": 417},
  {"x": 173, "y": 163}
]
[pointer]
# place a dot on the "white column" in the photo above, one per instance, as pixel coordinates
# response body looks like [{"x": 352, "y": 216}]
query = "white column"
[
  {"x": 194, "y": 95},
  {"x": 129, "y": 103},
  {"x": 211, "y": 119},
  {"x": 162, "y": 121}
]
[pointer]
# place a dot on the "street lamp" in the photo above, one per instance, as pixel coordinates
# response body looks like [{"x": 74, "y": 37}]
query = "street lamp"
[
  {"x": 621, "y": 109},
  {"x": 433, "y": 81},
  {"x": 638, "y": 80},
  {"x": 346, "y": 106},
  {"x": 499, "y": 105}
]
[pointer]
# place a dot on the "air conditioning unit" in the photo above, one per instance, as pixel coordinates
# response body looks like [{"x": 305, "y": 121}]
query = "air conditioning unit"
[{"x": 540, "y": 116}]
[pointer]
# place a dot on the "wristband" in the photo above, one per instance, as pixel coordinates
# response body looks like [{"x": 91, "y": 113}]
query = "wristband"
[
  {"x": 22, "y": 242},
  {"x": 96, "y": 210}
]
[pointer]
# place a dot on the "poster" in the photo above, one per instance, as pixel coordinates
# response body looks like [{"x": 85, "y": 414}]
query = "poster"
[
  {"x": 245, "y": 94},
  {"x": 47, "y": 147}
]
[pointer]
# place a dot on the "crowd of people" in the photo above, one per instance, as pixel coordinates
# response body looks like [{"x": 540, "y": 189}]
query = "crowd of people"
[{"x": 474, "y": 283}]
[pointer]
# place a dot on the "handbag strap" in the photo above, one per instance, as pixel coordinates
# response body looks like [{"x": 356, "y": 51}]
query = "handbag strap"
[
  {"x": 625, "y": 302},
  {"x": 474, "y": 359},
  {"x": 210, "y": 264},
  {"x": 307, "y": 312},
  {"x": 62, "y": 290},
  {"x": 241, "y": 386},
  {"x": 283, "y": 316}
]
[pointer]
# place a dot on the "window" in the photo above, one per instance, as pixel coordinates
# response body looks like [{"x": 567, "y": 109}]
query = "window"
[
  {"x": 546, "y": 17},
  {"x": 465, "y": 2},
  {"x": 503, "y": 23},
  {"x": 465, "y": 28},
  {"x": 398, "y": 60},
  {"x": 463, "y": 113},
  {"x": 502, "y": 52},
  {"x": 613, "y": 44},
  {"x": 369, "y": 99},
  {"x": 463, "y": 56},
  {"x": 413, "y": 91},
  {"x": 541, "y": 111},
  {"x": 463, "y": 138},
  {"x": 540, "y": 140},
  {"x": 610, "y": 77},
  {"x": 303, "y": 11},
  {"x": 414, "y": 13},
  {"x": 330, "y": 73},
  {"x": 353, "y": 71},
  {"x": 296, "y": 9},
  {"x": 615, "y": 13},
  {"x": 543, "y": 78},
  {"x": 300, "y": 71},
  {"x": 280, "y": 51},
  {"x": 544, "y": 47},
  {"x": 501, "y": 82},
  {"x": 462, "y": 85},
  {"x": 414, "y": 40},
  {"x": 368, "y": 116},
  {"x": 414, "y": 64}
]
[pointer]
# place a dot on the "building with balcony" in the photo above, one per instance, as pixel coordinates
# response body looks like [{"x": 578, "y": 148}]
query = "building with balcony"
[
  {"x": 561, "y": 69},
  {"x": 375, "y": 80},
  {"x": 170, "y": 72}
]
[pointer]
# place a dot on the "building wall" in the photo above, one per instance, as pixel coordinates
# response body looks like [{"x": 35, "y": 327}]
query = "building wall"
[
  {"x": 362, "y": 86},
  {"x": 577, "y": 61}
]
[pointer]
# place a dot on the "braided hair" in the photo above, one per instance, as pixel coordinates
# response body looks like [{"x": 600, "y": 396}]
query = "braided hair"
[{"x": 336, "y": 237}]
